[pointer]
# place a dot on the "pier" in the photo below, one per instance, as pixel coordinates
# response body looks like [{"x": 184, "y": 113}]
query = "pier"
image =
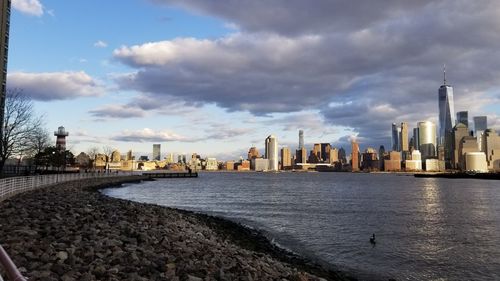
[{"x": 154, "y": 175}]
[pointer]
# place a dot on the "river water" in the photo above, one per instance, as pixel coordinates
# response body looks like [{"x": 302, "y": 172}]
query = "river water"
[{"x": 426, "y": 228}]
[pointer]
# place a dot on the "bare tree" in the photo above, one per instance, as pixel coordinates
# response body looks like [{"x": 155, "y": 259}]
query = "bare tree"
[
  {"x": 108, "y": 151},
  {"x": 39, "y": 141},
  {"x": 20, "y": 124},
  {"x": 92, "y": 153}
]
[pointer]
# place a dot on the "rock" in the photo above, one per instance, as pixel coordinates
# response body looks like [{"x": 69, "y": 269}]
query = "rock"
[
  {"x": 62, "y": 255},
  {"x": 193, "y": 278}
]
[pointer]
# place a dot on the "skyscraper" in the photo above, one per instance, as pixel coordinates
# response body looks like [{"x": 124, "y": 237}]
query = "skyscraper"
[
  {"x": 427, "y": 139},
  {"x": 156, "y": 152},
  {"x": 4, "y": 52},
  {"x": 480, "y": 125},
  {"x": 416, "y": 141},
  {"x": 395, "y": 137},
  {"x": 272, "y": 152},
  {"x": 446, "y": 119},
  {"x": 403, "y": 137},
  {"x": 355, "y": 156},
  {"x": 463, "y": 117},
  {"x": 301, "y": 139},
  {"x": 286, "y": 158}
]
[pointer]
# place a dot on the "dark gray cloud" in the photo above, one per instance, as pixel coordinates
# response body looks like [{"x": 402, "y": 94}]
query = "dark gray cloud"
[
  {"x": 361, "y": 64},
  {"x": 117, "y": 111}
]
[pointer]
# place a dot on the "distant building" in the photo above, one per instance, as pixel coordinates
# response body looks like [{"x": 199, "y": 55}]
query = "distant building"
[
  {"x": 129, "y": 156},
  {"x": 467, "y": 144},
  {"x": 286, "y": 159},
  {"x": 342, "y": 156},
  {"x": 271, "y": 152},
  {"x": 253, "y": 153},
  {"x": 354, "y": 156},
  {"x": 480, "y": 125},
  {"x": 446, "y": 119},
  {"x": 82, "y": 160},
  {"x": 211, "y": 164},
  {"x": 381, "y": 157},
  {"x": 316, "y": 152},
  {"x": 334, "y": 155},
  {"x": 403, "y": 137},
  {"x": 243, "y": 165},
  {"x": 491, "y": 146},
  {"x": 143, "y": 158},
  {"x": 476, "y": 162},
  {"x": 259, "y": 164},
  {"x": 229, "y": 166},
  {"x": 169, "y": 158},
  {"x": 395, "y": 137},
  {"x": 301, "y": 139},
  {"x": 325, "y": 152},
  {"x": 301, "y": 156},
  {"x": 116, "y": 156},
  {"x": 416, "y": 141},
  {"x": 157, "y": 151},
  {"x": 392, "y": 163},
  {"x": 415, "y": 164},
  {"x": 370, "y": 161},
  {"x": 463, "y": 117},
  {"x": 459, "y": 132},
  {"x": 427, "y": 139}
]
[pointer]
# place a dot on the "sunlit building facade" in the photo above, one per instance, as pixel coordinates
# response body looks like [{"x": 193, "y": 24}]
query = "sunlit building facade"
[
  {"x": 427, "y": 139},
  {"x": 272, "y": 152},
  {"x": 446, "y": 120}
]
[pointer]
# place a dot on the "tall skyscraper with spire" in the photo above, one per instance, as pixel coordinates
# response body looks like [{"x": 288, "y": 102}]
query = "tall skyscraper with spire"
[
  {"x": 4, "y": 49},
  {"x": 446, "y": 118}
]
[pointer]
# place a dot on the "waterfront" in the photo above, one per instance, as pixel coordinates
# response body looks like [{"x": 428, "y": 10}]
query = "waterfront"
[{"x": 425, "y": 228}]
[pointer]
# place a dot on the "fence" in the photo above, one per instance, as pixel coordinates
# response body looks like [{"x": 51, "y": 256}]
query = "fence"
[{"x": 15, "y": 185}]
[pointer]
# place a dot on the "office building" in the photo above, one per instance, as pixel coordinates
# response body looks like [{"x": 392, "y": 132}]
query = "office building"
[
  {"x": 476, "y": 162},
  {"x": 334, "y": 155},
  {"x": 395, "y": 137},
  {"x": 301, "y": 156},
  {"x": 427, "y": 139},
  {"x": 271, "y": 145},
  {"x": 370, "y": 161},
  {"x": 301, "y": 139},
  {"x": 253, "y": 153},
  {"x": 446, "y": 120},
  {"x": 480, "y": 125},
  {"x": 392, "y": 162},
  {"x": 156, "y": 152},
  {"x": 317, "y": 152},
  {"x": 115, "y": 156},
  {"x": 325, "y": 152},
  {"x": 286, "y": 159},
  {"x": 4, "y": 53},
  {"x": 491, "y": 146},
  {"x": 342, "y": 156},
  {"x": 415, "y": 164},
  {"x": 416, "y": 143},
  {"x": 355, "y": 156},
  {"x": 459, "y": 132},
  {"x": 467, "y": 144},
  {"x": 259, "y": 164},
  {"x": 403, "y": 137},
  {"x": 463, "y": 117}
]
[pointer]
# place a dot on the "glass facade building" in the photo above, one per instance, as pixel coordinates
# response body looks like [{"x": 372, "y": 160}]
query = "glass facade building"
[
  {"x": 427, "y": 139},
  {"x": 272, "y": 152}
]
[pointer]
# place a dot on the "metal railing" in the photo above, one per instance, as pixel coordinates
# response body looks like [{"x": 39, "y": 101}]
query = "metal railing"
[{"x": 15, "y": 185}]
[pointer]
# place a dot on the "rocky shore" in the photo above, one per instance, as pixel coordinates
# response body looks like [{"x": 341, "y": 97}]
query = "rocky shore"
[{"x": 73, "y": 232}]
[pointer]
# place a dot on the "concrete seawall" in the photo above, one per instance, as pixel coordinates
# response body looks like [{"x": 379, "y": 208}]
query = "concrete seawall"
[{"x": 72, "y": 232}]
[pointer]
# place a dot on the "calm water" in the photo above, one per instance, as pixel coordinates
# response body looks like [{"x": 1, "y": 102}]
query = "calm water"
[{"x": 426, "y": 229}]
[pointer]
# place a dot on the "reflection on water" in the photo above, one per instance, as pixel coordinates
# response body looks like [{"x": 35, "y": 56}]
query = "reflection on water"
[{"x": 426, "y": 228}]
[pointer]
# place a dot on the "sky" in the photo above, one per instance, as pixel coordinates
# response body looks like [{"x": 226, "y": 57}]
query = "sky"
[{"x": 217, "y": 77}]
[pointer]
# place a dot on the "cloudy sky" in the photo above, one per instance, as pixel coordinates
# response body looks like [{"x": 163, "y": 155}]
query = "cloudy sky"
[{"x": 216, "y": 77}]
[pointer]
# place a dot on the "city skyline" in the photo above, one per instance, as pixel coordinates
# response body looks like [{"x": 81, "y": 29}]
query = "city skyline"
[{"x": 107, "y": 87}]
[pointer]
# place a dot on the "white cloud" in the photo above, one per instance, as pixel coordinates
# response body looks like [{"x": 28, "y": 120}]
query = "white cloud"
[
  {"x": 149, "y": 135},
  {"x": 100, "y": 44},
  {"x": 55, "y": 85},
  {"x": 30, "y": 7}
]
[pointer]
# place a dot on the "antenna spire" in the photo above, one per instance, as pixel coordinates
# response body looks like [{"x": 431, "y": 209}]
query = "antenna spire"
[{"x": 444, "y": 73}]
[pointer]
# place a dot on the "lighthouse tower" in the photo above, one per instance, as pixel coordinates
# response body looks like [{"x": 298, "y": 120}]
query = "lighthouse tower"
[{"x": 61, "y": 135}]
